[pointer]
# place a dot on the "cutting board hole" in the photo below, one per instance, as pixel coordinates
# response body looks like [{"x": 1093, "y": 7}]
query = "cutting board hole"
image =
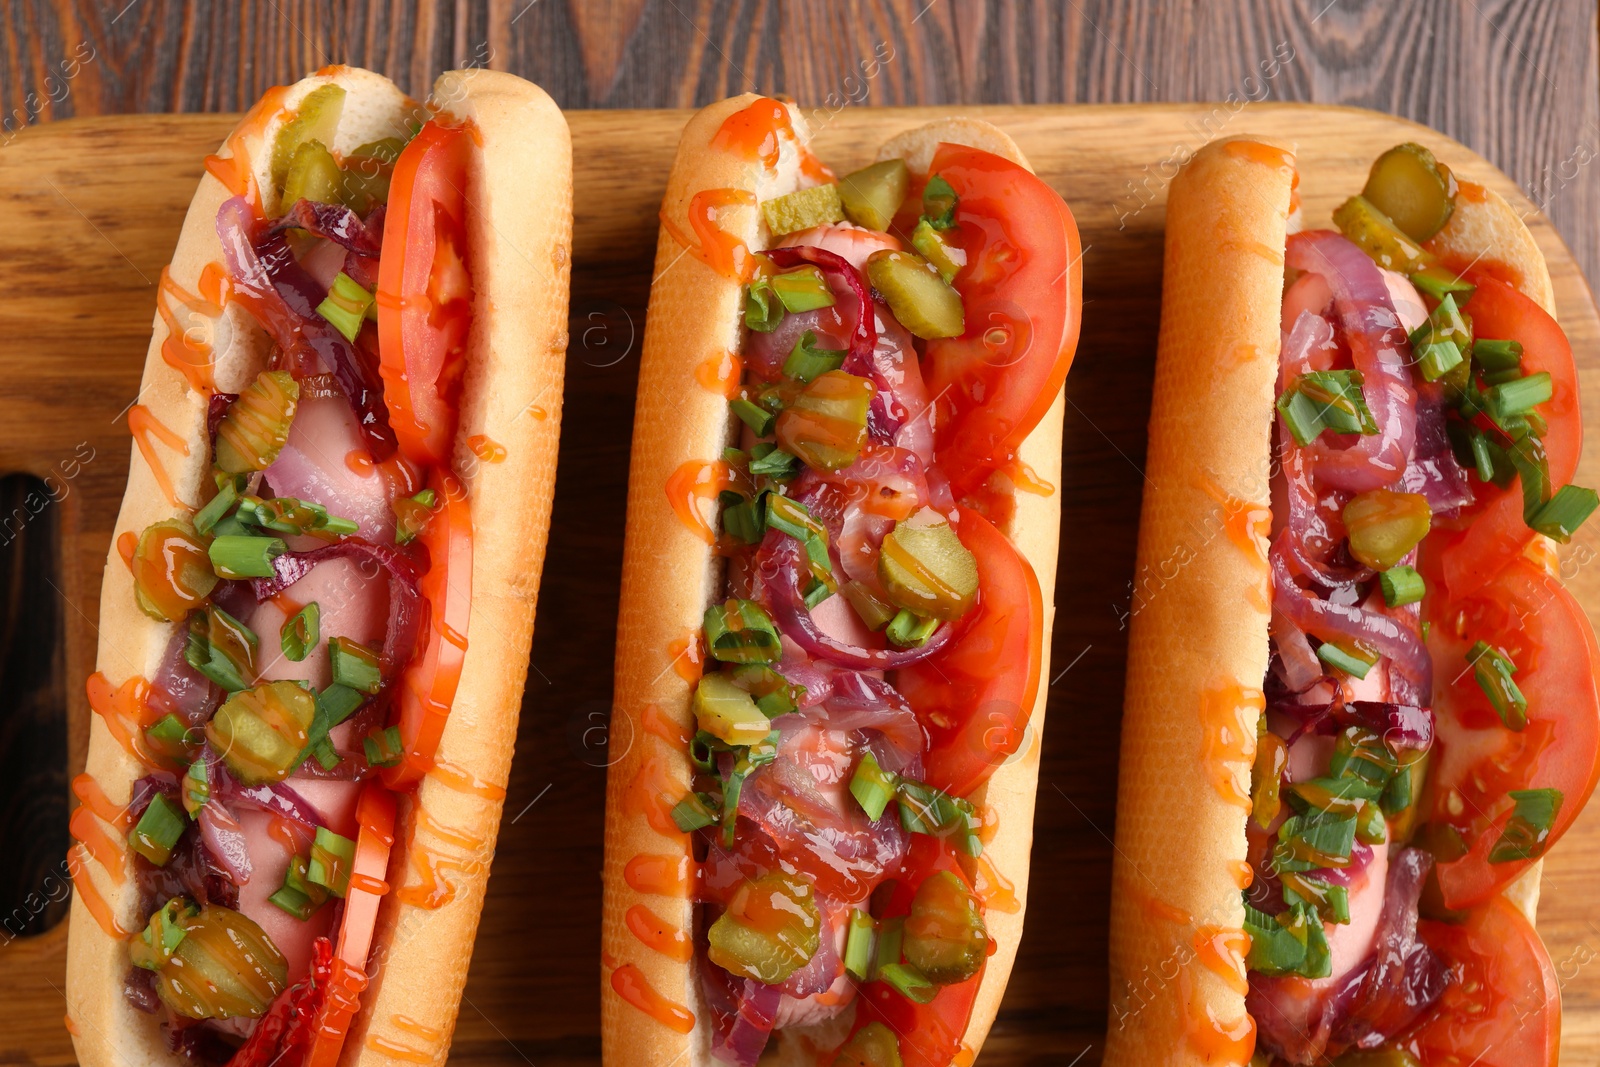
[{"x": 34, "y": 884}]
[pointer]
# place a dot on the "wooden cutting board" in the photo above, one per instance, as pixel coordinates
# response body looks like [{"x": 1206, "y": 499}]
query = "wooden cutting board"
[{"x": 89, "y": 213}]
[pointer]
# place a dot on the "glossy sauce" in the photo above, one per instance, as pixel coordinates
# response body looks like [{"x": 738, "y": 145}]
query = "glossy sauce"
[
  {"x": 396, "y": 1051},
  {"x": 432, "y": 890},
  {"x": 995, "y": 890},
  {"x": 1256, "y": 152},
  {"x": 1254, "y": 247},
  {"x": 124, "y": 710},
  {"x": 1471, "y": 192},
  {"x": 1216, "y": 1041},
  {"x": 144, "y": 426},
  {"x": 1229, "y": 745},
  {"x": 187, "y": 348},
  {"x": 691, "y": 483},
  {"x": 127, "y": 545},
  {"x": 714, "y": 246},
  {"x": 234, "y": 170},
  {"x": 755, "y": 132},
  {"x": 688, "y": 657},
  {"x": 487, "y": 448},
  {"x": 1027, "y": 480},
  {"x": 814, "y": 169},
  {"x": 1243, "y": 874},
  {"x": 92, "y": 797},
  {"x": 84, "y": 887},
  {"x": 71, "y": 1024},
  {"x": 656, "y": 722},
  {"x": 661, "y": 875},
  {"x": 720, "y": 373},
  {"x": 1223, "y": 950},
  {"x": 1153, "y": 907},
  {"x": 1249, "y": 526},
  {"x": 666, "y": 939},
  {"x": 655, "y": 789},
  {"x": 453, "y": 777},
  {"x": 630, "y": 984}
]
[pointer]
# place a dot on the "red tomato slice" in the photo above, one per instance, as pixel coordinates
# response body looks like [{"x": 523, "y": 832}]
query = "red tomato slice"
[
  {"x": 930, "y": 1034},
  {"x": 1022, "y": 288},
  {"x": 975, "y": 696},
  {"x": 1502, "y": 1006},
  {"x": 425, "y": 292},
  {"x": 428, "y": 685},
  {"x": 1477, "y": 759},
  {"x": 375, "y": 811},
  {"x": 1495, "y": 531}
]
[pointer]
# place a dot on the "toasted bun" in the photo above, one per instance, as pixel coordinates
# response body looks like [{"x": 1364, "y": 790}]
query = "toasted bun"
[
  {"x": 670, "y": 576},
  {"x": 515, "y": 359},
  {"x": 1198, "y": 646}
]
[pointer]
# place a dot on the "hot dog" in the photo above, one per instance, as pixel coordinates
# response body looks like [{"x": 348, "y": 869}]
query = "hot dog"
[
  {"x": 836, "y": 597},
  {"x": 316, "y": 615},
  {"x": 1364, "y": 707}
]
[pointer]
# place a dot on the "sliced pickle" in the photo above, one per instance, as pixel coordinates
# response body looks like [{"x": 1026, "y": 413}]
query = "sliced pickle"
[
  {"x": 224, "y": 967},
  {"x": 729, "y": 713},
  {"x": 920, "y": 298},
  {"x": 367, "y": 172},
  {"x": 926, "y": 569},
  {"x": 872, "y": 195},
  {"x": 945, "y": 937},
  {"x": 316, "y": 119},
  {"x": 874, "y": 1045},
  {"x": 1385, "y": 525},
  {"x": 256, "y": 426},
  {"x": 931, "y": 245},
  {"x": 826, "y": 425},
  {"x": 261, "y": 732},
  {"x": 172, "y": 573},
  {"x": 1415, "y": 191},
  {"x": 803, "y": 209},
  {"x": 771, "y": 929},
  {"x": 313, "y": 175},
  {"x": 1373, "y": 232}
]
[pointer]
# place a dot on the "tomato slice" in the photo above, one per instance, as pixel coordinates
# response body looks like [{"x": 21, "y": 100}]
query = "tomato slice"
[
  {"x": 1502, "y": 1006},
  {"x": 1022, "y": 288},
  {"x": 425, "y": 292},
  {"x": 930, "y": 1034},
  {"x": 1477, "y": 758},
  {"x": 976, "y": 695},
  {"x": 375, "y": 812},
  {"x": 1494, "y": 529}
]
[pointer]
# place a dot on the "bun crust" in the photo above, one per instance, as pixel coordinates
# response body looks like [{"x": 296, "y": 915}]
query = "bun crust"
[
  {"x": 515, "y": 349},
  {"x": 669, "y": 576},
  {"x": 1198, "y": 646}
]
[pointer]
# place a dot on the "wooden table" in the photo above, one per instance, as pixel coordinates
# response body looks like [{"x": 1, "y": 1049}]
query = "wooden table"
[{"x": 1517, "y": 82}]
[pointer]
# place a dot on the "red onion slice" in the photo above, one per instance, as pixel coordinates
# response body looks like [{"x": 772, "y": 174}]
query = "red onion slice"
[
  {"x": 335, "y": 222},
  {"x": 745, "y": 1023},
  {"x": 225, "y": 839}
]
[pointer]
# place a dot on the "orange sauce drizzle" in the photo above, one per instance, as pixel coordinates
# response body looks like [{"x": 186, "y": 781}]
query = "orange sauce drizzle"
[
  {"x": 446, "y": 833},
  {"x": 396, "y": 1051},
  {"x": 234, "y": 170},
  {"x": 433, "y": 891},
  {"x": 359, "y": 460},
  {"x": 1215, "y": 1040},
  {"x": 965, "y": 1057},
  {"x": 720, "y": 373},
  {"x": 287, "y": 833},
  {"x": 1256, "y": 152},
  {"x": 368, "y": 884},
  {"x": 630, "y": 984},
  {"x": 1261, "y": 248},
  {"x": 72, "y": 1024},
  {"x": 487, "y": 448},
  {"x": 716, "y": 247},
  {"x": 538, "y": 412},
  {"x": 123, "y": 709},
  {"x": 286, "y": 603},
  {"x": 411, "y": 1026},
  {"x": 1248, "y": 525},
  {"x": 654, "y": 792},
  {"x": 815, "y": 169},
  {"x": 91, "y": 796},
  {"x": 1229, "y": 745},
  {"x": 187, "y": 348},
  {"x": 1154, "y": 907},
  {"x": 662, "y": 936},
  {"x": 657, "y": 723},
  {"x": 1027, "y": 480},
  {"x": 661, "y": 875},
  {"x": 1472, "y": 192},
  {"x": 995, "y": 890},
  {"x": 106, "y": 848},
  {"x": 753, "y": 132},
  {"x": 1243, "y": 874},
  {"x": 688, "y": 657},
  {"x": 144, "y": 425},
  {"x": 462, "y": 781},
  {"x": 127, "y": 545},
  {"x": 1223, "y": 950},
  {"x": 691, "y": 483},
  {"x": 98, "y": 908}
]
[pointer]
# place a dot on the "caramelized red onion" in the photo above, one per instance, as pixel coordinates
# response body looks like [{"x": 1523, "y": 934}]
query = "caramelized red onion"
[
  {"x": 1433, "y": 470},
  {"x": 335, "y": 222},
  {"x": 180, "y": 690},
  {"x": 742, "y": 1011},
  {"x": 225, "y": 839},
  {"x": 1368, "y": 324},
  {"x": 867, "y": 702},
  {"x": 1402, "y": 726},
  {"x": 846, "y": 325}
]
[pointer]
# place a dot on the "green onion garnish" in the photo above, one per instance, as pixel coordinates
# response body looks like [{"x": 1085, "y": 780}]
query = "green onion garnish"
[
  {"x": 1402, "y": 585},
  {"x": 926, "y": 810},
  {"x": 762, "y": 308},
  {"x": 1560, "y": 516},
  {"x": 335, "y": 704},
  {"x": 354, "y": 665},
  {"x": 758, "y": 418},
  {"x": 301, "y": 632},
  {"x": 939, "y": 203},
  {"x": 907, "y": 630},
  {"x": 1438, "y": 283},
  {"x": 802, "y": 289},
  {"x": 1355, "y": 664},
  {"x": 1361, "y": 753},
  {"x": 1493, "y": 670},
  {"x": 222, "y": 648},
  {"x": 1292, "y": 943},
  {"x": 740, "y": 631},
  {"x": 346, "y": 306},
  {"x": 1330, "y": 900},
  {"x": 383, "y": 747},
  {"x": 331, "y": 857},
  {"x": 160, "y": 938},
  {"x": 908, "y": 982},
  {"x": 694, "y": 812},
  {"x": 218, "y": 506},
  {"x": 169, "y": 732},
  {"x": 158, "y": 829},
  {"x": 746, "y": 519},
  {"x": 1528, "y": 830},
  {"x": 1325, "y": 400},
  {"x": 806, "y": 361},
  {"x": 1519, "y": 396},
  {"x": 872, "y": 786},
  {"x": 859, "y": 944},
  {"x": 1497, "y": 356},
  {"x": 1437, "y": 359},
  {"x": 1397, "y": 794},
  {"x": 773, "y": 462},
  {"x": 247, "y": 556},
  {"x": 1314, "y": 839},
  {"x": 196, "y": 788},
  {"x": 1371, "y": 826}
]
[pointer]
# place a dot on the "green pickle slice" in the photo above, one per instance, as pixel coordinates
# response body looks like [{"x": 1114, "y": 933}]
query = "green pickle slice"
[
  {"x": 803, "y": 209},
  {"x": 771, "y": 929},
  {"x": 728, "y": 712},
  {"x": 874, "y": 1045},
  {"x": 918, "y": 295},
  {"x": 316, "y": 119},
  {"x": 1376, "y": 234},
  {"x": 945, "y": 937},
  {"x": 1414, "y": 190},
  {"x": 871, "y": 195},
  {"x": 926, "y": 569}
]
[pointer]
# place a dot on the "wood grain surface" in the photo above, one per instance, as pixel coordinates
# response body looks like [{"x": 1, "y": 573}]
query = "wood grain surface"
[{"x": 84, "y": 241}]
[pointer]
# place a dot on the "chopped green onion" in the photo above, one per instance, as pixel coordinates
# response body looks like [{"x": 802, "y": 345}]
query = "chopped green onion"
[
  {"x": 859, "y": 944},
  {"x": 1402, "y": 585},
  {"x": 1497, "y": 356},
  {"x": 1330, "y": 900},
  {"x": 1397, "y": 794},
  {"x": 758, "y": 418},
  {"x": 169, "y": 732},
  {"x": 383, "y": 747},
  {"x": 802, "y": 289},
  {"x": 411, "y": 515},
  {"x": 906, "y": 630},
  {"x": 160, "y": 938},
  {"x": 346, "y": 306},
  {"x": 1371, "y": 826},
  {"x": 301, "y": 632},
  {"x": 247, "y": 556},
  {"x": 1519, "y": 396},
  {"x": 1532, "y": 465},
  {"x": 299, "y": 896},
  {"x": 806, "y": 361},
  {"x": 1352, "y": 663},
  {"x": 1314, "y": 839},
  {"x": 740, "y": 631},
  {"x": 1560, "y": 516},
  {"x": 762, "y": 308},
  {"x": 1292, "y": 943},
  {"x": 218, "y": 506},
  {"x": 791, "y": 517},
  {"x": 1439, "y": 283},
  {"x": 1437, "y": 359},
  {"x": 1493, "y": 670},
  {"x": 331, "y": 858},
  {"x": 872, "y": 786},
  {"x": 292, "y": 901},
  {"x": 335, "y": 704},
  {"x": 926, "y": 810},
  {"x": 158, "y": 830},
  {"x": 746, "y": 519},
  {"x": 1361, "y": 753},
  {"x": 354, "y": 664},
  {"x": 1325, "y": 400},
  {"x": 1527, "y": 832},
  {"x": 908, "y": 982},
  {"x": 196, "y": 788},
  {"x": 703, "y": 751},
  {"x": 693, "y": 813},
  {"x": 222, "y": 648},
  {"x": 1344, "y": 795},
  {"x": 939, "y": 203},
  {"x": 773, "y": 462}
]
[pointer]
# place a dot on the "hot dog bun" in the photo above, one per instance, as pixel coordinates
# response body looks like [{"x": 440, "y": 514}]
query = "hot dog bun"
[
  {"x": 1198, "y": 646},
  {"x": 520, "y": 236},
  {"x": 670, "y": 575}
]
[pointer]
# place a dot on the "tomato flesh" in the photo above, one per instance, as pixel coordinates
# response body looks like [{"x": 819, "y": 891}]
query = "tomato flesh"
[
  {"x": 1502, "y": 1006},
  {"x": 1022, "y": 291},
  {"x": 976, "y": 695},
  {"x": 425, "y": 292}
]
